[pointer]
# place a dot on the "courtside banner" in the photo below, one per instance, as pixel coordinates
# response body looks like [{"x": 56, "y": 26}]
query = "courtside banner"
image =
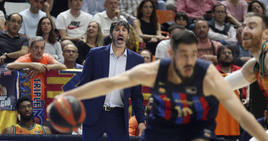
[
  {"x": 8, "y": 89},
  {"x": 34, "y": 88},
  {"x": 58, "y": 81}
]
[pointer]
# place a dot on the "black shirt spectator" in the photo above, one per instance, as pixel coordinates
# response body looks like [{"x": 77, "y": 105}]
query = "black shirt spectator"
[{"x": 9, "y": 44}]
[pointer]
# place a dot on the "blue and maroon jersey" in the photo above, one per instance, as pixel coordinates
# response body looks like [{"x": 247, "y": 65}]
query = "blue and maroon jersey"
[{"x": 185, "y": 102}]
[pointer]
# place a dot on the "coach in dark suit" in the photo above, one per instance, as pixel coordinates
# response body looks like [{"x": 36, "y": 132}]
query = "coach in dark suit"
[{"x": 110, "y": 114}]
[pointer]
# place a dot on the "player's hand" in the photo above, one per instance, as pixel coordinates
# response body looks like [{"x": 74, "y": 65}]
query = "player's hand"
[{"x": 141, "y": 127}]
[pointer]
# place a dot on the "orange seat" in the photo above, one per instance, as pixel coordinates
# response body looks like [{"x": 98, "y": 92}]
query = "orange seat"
[{"x": 165, "y": 16}]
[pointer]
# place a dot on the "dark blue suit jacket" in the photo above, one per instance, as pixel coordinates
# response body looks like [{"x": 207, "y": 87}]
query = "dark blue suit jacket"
[{"x": 96, "y": 67}]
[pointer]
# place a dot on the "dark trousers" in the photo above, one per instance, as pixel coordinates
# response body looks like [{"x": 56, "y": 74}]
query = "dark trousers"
[{"x": 110, "y": 122}]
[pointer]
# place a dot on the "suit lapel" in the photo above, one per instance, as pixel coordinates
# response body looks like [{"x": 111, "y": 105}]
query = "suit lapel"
[{"x": 106, "y": 60}]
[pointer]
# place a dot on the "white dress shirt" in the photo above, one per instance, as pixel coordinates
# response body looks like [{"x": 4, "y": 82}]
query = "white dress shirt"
[{"x": 117, "y": 65}]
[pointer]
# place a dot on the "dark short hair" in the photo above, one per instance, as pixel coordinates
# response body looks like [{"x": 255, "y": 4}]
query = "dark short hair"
[
  {"x": 21, "y": 99},
  {"x": 256, "y": 1},
  {"x": 221, "y": 49},
  {"x": 181, "y": 14},
  {"x": 174, "y": 26},
  {"x": 119, "y": 23},
  {"x": 10, "y": 16},
  {"x": 217, "y": 5},
  {"x": 182, "y": 37}
]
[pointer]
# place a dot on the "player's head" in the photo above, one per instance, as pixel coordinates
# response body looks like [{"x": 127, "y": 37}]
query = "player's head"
[
  {"x": 183, "y": 53},
  {"x": 25, "y": 108},
  {"x": 255, "y": 32}
]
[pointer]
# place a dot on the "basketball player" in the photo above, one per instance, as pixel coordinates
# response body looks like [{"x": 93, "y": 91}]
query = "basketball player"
[
  {"x": 254, "y": 39},
  {"x": 185, "y": 92}
]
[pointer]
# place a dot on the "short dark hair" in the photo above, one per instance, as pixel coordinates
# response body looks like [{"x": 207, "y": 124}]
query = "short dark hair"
[
  {"x": 200, "y": 20},
  {"x": 221, "y": 49},
  {"x": 10, "y": 16},
  {"x": 174, "y": 26},
  {"x": 181, "y": 14},
  {"x": 217, "y": 5},
  {"x": 119, "y": 23},
  {"x": 182, "y": 37},
  {"x": 256, "y": 1},
  {"x": 263, "y": 17},
  {"x": 21, "y": 99}
]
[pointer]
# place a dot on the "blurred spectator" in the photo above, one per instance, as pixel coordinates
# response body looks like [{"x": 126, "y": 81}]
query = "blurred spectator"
[
  {"x": 146, "y": 54},
  {"x": 26, "y": 124},
  {"x": 171, "y": 5},
  {"x": 107, "y": 17},
  {"x": 263, "y": 121},
  {"x": 181, "y": 19},
  {"x": 257, "y": 7},
  {"x": 128, "y": 9},
  {"x": 195, "y": 9},
  {"x": 46, "y": 29},
  {"x": 2, "y": 8},
  {"x": 133, "y": 124},
  {"x": 93, "y": 6},
  {"x": 160, "y": 4},
  {"x": 72, "y": 24},
  {"x": 219, "y": 29},
  {"x": 147, "y": 25},
  {"x": 36, "y": 60},
  {"x": 237, "y": 8},
  {"x": 31, "y": 17},
  {"x": 47, "y": 7},
  {"x": 133, "y": 39},
  {"x": 207, "y": 48},
  {"x": 59, "y": 6},
  {"x": 241, "y": 54},
  {"x": 93, "y": 38},
  {"x": 70, "y": 54},
  {"x": 2, "y": 21},
  {"x": 12, "y": 44},
  {"x": 162, "y": 48},
  {"x": 265, "y": 2},
  {"x": 226, "y": 127},
  {"x": 65, "y": 42}
]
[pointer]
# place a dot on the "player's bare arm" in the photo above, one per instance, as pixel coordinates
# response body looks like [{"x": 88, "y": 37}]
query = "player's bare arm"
[
  {"x": 127, "y": 79},
  {"x": 243, "y": 77},
  {"x": 215, "y": 84}
]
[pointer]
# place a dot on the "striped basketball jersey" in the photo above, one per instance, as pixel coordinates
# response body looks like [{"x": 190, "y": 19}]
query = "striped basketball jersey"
[
  {"x": 36, "y": 129},
  {"x": 259, "y": 70},
  {"x": 183, "y": 103}
]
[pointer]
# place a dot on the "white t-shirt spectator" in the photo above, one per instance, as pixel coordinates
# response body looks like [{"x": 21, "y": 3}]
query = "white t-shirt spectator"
[
  {"x": 162, "y": 49},
  {"x": 30, "y": 22},
  {"x": 105, "y": 22},
  {"x": 75, "y": 27}
]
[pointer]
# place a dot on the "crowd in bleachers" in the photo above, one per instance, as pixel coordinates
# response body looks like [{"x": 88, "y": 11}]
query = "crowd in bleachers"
[{"x": 71, "y": 28}]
